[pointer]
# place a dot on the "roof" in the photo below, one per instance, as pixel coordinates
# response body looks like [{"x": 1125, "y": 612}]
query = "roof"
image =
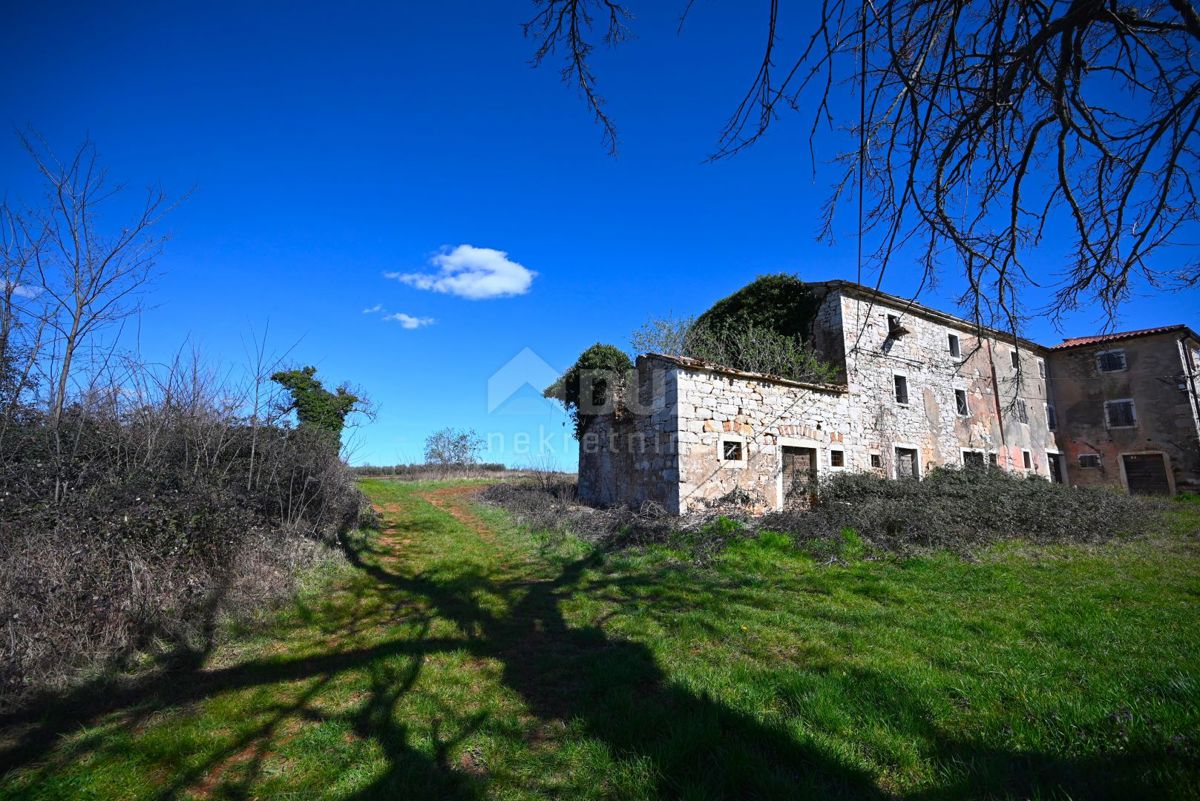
[
  {"x": 910, "y": 306},
  {"x": 712, "y": 367},
  {"x": 1079, "y": 342}
]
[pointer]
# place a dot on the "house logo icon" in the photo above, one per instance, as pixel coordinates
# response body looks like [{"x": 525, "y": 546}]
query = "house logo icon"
[{"x": 526, "y": 369}]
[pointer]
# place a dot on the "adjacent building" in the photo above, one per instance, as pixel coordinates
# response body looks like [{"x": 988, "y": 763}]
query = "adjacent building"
[{"x": 919, "y": 388}]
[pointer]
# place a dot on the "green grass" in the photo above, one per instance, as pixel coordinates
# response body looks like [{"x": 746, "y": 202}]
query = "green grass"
[{"x": 473, "y": 660}]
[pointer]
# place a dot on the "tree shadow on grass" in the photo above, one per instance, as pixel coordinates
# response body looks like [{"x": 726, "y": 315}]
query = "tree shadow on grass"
[{"x": 601, "y": 687}]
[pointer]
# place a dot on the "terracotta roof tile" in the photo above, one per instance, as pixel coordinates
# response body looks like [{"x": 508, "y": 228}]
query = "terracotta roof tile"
[{"x": 1075, "y": 342}]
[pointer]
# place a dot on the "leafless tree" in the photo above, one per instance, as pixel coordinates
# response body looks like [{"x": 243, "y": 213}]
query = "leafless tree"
[
  {"x": 983, "y": 128},
  {"x": 90, "y": 270}
]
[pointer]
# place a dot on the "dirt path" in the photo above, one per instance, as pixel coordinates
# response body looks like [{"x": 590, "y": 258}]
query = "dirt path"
[{"x": 454, "y": 500}]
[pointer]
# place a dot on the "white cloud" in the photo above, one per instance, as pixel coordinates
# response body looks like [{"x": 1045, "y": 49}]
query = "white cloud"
[
  {"x": 472, "y": 273},
  {"x": 378, "y": 307},
  {"x": 24, "y": 290},
  {"x": 408, "y": 321}
]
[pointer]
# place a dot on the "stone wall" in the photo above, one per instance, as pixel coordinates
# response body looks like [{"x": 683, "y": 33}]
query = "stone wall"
[
  {"x": 930, "y": 422},
  {"x": 630, "y": 456},
  {"x": 716, "y": 406}
]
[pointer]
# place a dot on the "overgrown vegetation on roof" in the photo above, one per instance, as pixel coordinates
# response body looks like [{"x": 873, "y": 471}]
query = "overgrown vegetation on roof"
[{"x": 764, "y": 327}]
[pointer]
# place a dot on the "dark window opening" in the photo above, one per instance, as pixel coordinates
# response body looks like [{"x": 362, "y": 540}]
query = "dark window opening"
[
  {"x": 876, "y": 460},
  {"x": 960, "y": 402},
  {"x": 1051, "y": 417},
  {"x": 901, "y": 388},
  {"x": 1119, "y": 414},
  {"x": 837, "y": 458},
  {"x": 1110, "y": 361},
  {"x": 1027, "y": 459},
  {"x": 1091, "y": 460},
  {"x": 993, "y": 460},
  {"x": 1022, "y": 411},
  {"x": 1016, "y": 359},
  {"x": 1041, "y": 369},
  {"x": 955, "y": 348},
  {"x": 973, "y": 459},
  {"x": 731, "y": 451}
]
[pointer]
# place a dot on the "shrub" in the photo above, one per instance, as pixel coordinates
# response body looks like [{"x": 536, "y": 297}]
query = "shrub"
[
  {"x": 961, "y": 510},
  {"x": 591, "y": 386}
]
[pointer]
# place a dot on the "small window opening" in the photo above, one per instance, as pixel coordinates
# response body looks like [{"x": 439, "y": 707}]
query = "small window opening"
[
  {"x": 876, "y": 460},
  {"x": 731, "y": 451},
  {"x": 1110, "y": 361},
  {"x": 1090, "y": 460},
  {"x": 901, "y": 389},
  {"x": 1051, "y": 417},
  {"x": 837, "y": 458},
  {"x": 955, "y": 347},
  {"x": 960, "y": 402},
  {"x": 1022, "y": 411},
  {"x": 1119, "y": 414},
  {"x": 1027, "y": 459},
  {"x": 1016, "y": 359},
  {"x": 1041, "y": 368},
  {"x": 993, "y": 460}
]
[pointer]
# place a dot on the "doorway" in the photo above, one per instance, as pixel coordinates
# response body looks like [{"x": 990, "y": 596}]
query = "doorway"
[
  {"x": 799, "y": 477},
  {"x": 907, "y": 465},
  {"x": 1146, "y": 473},
  {"x": 1055, "y": 462}
]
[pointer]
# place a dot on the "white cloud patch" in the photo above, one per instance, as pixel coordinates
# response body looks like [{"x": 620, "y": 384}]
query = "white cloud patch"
[
  {"x": 23, "y": 290},
  {"x": 408, "y": 321},
  {"x": 378, "y": 307},
  {"x": 472, "y": 273}
]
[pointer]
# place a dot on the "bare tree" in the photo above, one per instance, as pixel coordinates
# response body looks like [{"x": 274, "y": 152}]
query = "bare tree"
[
  {"x": 981, "y": 125},
  {"x": 90, "y": 271}
]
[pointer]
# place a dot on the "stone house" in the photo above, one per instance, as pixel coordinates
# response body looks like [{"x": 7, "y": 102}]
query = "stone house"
[{"x": 919, "y": 388}]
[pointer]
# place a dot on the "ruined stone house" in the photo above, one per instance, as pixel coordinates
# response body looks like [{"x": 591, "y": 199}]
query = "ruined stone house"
[{"x": 919, "y": 388}]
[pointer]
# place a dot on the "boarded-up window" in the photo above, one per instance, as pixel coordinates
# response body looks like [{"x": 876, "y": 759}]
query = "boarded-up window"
[
  {"x": 1119, "y": 414},
  {"x": 1110, "y": 361},
  {"x": 960, "y": 402},
  {"x": 901, "y": 384}
]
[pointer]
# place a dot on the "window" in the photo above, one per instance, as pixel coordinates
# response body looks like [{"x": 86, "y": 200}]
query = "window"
[
  {"x": 955, "y": 347},
  {"x": 1119, "y": 414},
  {"x": 731, "y": 450},
  {"x": 973, "y": 459},
  {"x": 901, "y": 389},
  {"x": 837, "y": 458},
  {"x": 1110, "y": 361},
  {"x": 1016, "y": 359},
  {"x": 993, "y": 460},
  {"x": 1051, "y": 417},
  {"x": 1090, "y": 460},
  {"x": 876, "y": 460},
  {"x": 1027, "y": 459},
  {"x": 1022, "y": 411},
  {"x": 960, "y": 403},
  {"x": 1041, "y": 368}
]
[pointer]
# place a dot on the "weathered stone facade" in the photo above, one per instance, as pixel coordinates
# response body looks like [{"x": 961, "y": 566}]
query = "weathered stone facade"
[{"x": 921, "y": 388}]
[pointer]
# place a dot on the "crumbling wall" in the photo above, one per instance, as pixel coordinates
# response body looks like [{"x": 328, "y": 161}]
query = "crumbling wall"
[
  {"x": 1154, "y": 378},
  {"x": 930, "y": 422},
  {"x": 629, "y": 457}
]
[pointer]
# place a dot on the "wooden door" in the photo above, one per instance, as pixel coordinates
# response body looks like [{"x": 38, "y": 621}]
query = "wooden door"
[
  {"x": 1146, "y": 474},
  {"x": 799, "y": 477}
]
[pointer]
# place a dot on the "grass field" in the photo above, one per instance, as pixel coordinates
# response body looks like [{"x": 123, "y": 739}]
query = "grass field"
[{"x": 461, "y": 658}]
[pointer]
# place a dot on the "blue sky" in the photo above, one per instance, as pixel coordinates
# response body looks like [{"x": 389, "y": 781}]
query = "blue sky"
[{"x": 326, "y": 147}]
